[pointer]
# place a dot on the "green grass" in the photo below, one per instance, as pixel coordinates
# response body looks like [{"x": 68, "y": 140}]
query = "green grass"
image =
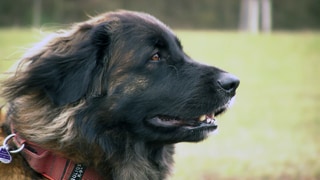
[
  {"x": 13, "y": 43},
  {"x": 273, "y": 129}
]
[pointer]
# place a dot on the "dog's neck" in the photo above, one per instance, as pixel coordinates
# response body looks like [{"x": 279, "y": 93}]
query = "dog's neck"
[
  {"x": 145, "y": 161},
  {"x": 51, "y": 165},
  {"x": 134, "y": 160}
]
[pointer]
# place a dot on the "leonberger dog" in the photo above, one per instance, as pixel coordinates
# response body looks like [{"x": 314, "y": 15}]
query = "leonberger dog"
[{"x": 108, "y": 99}]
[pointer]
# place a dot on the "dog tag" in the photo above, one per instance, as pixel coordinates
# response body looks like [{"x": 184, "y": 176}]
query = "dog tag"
[{"x": 5, "y": 156}]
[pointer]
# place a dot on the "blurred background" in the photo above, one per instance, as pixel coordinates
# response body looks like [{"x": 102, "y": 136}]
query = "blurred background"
[
  {"x": 273, "y": 129},
  {"x": 195, "y": 14}
]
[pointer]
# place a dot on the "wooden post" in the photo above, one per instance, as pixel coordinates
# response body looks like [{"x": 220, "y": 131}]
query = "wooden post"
[
  {"x": 266, "y": 16},
  {"x": 253, "y": 16},
  {"x": 36, "y": 13},
  {"x": 243, "y": 21},
  {"x": 249, "y": 16}
]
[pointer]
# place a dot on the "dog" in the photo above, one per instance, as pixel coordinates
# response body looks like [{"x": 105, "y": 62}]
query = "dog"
[{"x": 108, "y": 99}]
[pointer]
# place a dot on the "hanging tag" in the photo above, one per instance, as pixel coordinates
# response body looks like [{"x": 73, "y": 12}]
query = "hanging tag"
[{"x": 5, "y": 156}]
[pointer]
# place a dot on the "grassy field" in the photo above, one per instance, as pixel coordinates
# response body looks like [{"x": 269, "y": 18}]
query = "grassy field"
[{"x": 273, "y": 129}]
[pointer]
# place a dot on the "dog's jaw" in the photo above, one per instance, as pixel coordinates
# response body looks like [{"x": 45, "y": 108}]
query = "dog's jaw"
[
  {"x": 203, "y": 124},
  {"x": 178, "y": 128}
]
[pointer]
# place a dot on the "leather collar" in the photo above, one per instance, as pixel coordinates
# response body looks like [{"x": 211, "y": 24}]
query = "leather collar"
[
  {"x": 53, "y": 166},
  {"x": 47, "y": 163}
]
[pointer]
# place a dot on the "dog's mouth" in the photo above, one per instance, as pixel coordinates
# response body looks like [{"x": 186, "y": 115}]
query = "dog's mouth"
[{"x": 204, "y": 120}]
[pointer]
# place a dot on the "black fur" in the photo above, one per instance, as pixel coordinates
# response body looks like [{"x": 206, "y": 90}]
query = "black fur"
[{"x": 134, "y": 107}]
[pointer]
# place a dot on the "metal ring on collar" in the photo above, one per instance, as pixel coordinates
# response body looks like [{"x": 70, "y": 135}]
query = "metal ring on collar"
[{"x": 5, "y": 143}]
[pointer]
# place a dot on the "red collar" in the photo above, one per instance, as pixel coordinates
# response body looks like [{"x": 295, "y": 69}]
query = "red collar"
[{"x": 53, "y": 166}]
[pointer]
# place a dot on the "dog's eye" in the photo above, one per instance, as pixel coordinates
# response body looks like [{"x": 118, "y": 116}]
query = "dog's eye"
[{"x": 155, "y": 57}]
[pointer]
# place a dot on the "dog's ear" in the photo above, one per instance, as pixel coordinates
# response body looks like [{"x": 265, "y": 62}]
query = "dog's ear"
[
  {"x": 76, "y": 72},
  {"x": 65, "y": 67}
]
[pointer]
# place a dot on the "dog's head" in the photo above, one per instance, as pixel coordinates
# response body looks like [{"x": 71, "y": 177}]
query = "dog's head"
[{"x": 133, "y": 76}]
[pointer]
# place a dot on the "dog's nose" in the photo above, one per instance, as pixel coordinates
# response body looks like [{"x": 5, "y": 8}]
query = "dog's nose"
[{"x": 228, "y": 82}]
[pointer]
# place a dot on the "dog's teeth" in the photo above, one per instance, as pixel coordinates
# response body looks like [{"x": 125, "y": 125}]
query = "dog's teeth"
[
  {"x": 202, "y": 118},
  {"x": 210, "y": 121}
]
